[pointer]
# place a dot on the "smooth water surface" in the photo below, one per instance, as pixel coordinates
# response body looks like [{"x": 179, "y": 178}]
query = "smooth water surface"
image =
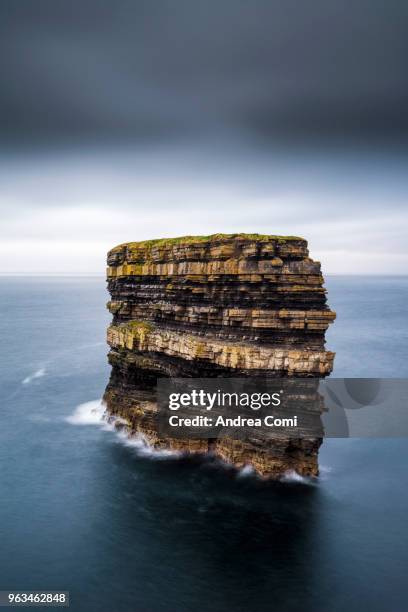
[{"x": 82, "y": 510}]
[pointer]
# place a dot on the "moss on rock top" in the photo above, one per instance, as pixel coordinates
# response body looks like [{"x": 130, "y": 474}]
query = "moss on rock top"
[{"x": 164, "y": 242}]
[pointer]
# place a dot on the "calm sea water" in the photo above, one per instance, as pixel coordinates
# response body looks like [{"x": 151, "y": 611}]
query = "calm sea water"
[{"x": 82, "y": 511}]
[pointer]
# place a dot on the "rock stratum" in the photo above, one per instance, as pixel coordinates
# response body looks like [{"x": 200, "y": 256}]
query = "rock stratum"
[{"x": 236, "y": 305}]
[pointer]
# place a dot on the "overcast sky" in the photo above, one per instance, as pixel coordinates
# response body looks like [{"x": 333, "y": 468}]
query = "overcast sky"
[{"x": 135, "y": 119}]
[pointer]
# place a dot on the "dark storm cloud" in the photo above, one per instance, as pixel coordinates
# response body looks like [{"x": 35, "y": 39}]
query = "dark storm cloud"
[{"x": 164, "y": 69}]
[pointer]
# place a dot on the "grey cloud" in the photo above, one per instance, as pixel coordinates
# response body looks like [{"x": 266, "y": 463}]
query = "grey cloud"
[{"x": 266, "y": 69}]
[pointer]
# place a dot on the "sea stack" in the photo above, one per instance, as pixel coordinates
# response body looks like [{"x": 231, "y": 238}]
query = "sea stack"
[{"x": 226, "y": 305}]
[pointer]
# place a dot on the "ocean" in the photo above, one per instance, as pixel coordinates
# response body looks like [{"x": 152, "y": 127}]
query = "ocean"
[{"x": 123, "y": 529}]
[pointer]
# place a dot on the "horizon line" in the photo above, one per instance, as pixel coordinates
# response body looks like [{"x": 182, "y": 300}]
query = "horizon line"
[{"x": 93, "y": 275}]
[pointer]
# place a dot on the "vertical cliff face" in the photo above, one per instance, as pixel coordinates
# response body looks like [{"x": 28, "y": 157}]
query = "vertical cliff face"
[{"x": 216, "y": 306}]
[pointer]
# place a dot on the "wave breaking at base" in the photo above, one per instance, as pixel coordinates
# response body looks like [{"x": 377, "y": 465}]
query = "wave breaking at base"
[
  {"x": 291, "y": 476},
  {"x": 94, "y": 413}
]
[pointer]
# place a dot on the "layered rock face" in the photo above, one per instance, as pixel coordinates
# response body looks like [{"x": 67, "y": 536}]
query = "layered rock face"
[{"x": 215, "y": 306}]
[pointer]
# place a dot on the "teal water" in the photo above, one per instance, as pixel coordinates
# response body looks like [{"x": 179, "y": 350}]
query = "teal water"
[{"x": 124, "y": 531}]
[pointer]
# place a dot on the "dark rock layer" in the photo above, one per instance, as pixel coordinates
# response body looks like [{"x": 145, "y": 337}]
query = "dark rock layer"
[{"x": 217, "y": 306}]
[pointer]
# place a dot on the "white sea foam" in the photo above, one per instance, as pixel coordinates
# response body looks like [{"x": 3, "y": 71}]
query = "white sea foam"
[
  {"x": 142, "y": 447},
  {"x": 294, "y": 477},
  {"x": 37, "y": 374},
  {"x": 89, "y": 413},
  {"x": 246, "y": 471},
  {"x": 94, "y": 413}
]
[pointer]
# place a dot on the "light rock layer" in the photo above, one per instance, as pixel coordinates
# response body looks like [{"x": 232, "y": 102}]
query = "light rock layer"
[{"x": 222, "y": 305}]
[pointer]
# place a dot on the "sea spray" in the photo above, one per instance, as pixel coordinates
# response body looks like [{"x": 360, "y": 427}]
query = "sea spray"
[
  {"x": 291, "y": 476},
  {"x": 246, "y": 471},
  {"x": 89, "y": 413},
  {"x": 94, "y": 413},
  {"x": 37, "y": 374}
]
